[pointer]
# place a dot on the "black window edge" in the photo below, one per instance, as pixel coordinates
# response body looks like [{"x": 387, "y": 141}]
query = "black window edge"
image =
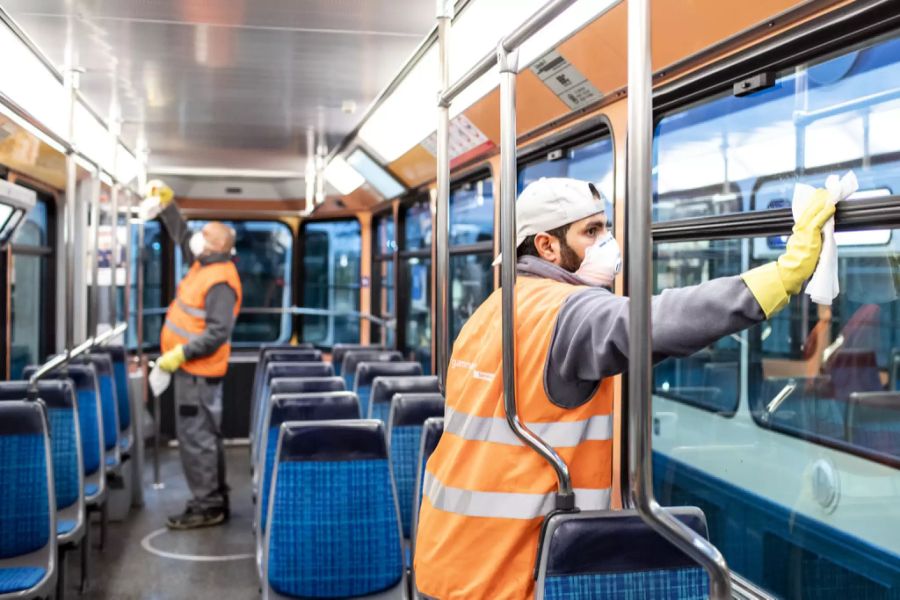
[
  {"x": 708, "y": 407},
  {"x": 590, "y": 130}
]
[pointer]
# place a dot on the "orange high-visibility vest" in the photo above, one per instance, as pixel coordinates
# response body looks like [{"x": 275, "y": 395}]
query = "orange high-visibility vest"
[
  {"x": 485, "y": 492},
  {"x": 186, "y": 317}
]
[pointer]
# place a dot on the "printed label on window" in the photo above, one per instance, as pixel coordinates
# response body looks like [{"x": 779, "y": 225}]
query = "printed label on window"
[{"x": 565, "y": 80}]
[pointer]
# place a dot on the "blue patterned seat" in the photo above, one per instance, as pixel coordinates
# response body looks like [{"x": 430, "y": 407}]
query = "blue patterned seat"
[
  {"x": 352, "y": 358},
  {"x": 409, "y": 411},
  {"x": 68, "y": 476},
  {"x": 109, "y": 406},
  {"x": 321, "y": 406},
  {"x": 119, "y": 356},
  {"x": 27, "y": 504},
  {"x": 339, "y": 351},
  {"x": 432, "y": 430},
  {"x": 90, "y": 424},
  {"x": 614, "y": 554},
  {"x": 276, "y": 353},
  {"x": 366, "y": 372},
  {"x": 334, "y": 528},
  {"x": 384, "y": 389}
]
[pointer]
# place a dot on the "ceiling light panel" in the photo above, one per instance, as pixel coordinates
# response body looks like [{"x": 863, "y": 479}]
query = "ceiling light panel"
[
  {"x": 383, "y": 182},
  {"x": 344, "y": 178}
]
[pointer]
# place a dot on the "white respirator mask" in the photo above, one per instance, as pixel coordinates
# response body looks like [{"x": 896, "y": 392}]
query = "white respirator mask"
[
  {"x": 602, "y": 262},
  {"x": 197, "y": 244}
]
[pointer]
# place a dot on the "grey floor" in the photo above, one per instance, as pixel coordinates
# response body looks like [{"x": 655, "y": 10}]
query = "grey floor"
[{"x": 125, "y": 570}]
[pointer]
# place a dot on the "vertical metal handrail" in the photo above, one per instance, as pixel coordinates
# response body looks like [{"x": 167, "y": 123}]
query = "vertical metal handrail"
[
  {"x": 113, "y": 251},
  {"x": 508, "y": 64},
  {"x": 442, "y": 209},
  {"x": 640, "y": 278},
  {"x": 94, "y": 308},
  {"x": 71, "y": 86}
]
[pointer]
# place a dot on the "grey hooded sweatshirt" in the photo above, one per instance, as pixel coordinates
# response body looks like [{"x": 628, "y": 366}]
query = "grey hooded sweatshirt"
[{"x": 590, "y": 340}]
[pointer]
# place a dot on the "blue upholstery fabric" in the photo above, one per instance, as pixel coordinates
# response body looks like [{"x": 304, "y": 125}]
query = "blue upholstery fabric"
[
  {"x": 266, "y": 482},
  {"x": 24, "y": 518},
  {"x": 363, "y": 392},
  {"x": 121, "y": 373},
  {"x": 348, "y": 380},
  {"x": 679, "y": 584},
  {"x": 404, "y": 459},
  {"x": 90, "y": 430},
  {"x": 334, "y": 530},
  {"x": 65, "y": 456},
  {"x": 381, "y": 411},
  {"x": 17, "y": 579},
  {"x": 91, "y": 489},
  {"x": 64, "y": 526},
  {"x": 108, "y": 402}
]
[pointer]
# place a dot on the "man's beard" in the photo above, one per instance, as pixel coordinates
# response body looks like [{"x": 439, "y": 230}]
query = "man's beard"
[{"x": 568, "y": 260}]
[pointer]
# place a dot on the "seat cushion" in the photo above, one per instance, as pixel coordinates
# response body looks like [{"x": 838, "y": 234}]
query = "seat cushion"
[
  {"x": 17, "y": 579},
  {"x": 677, "y": 584},
  {"x": 64, "y": 526}
]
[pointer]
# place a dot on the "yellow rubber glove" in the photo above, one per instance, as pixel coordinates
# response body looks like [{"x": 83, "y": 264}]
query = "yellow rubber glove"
[
  {"x": 774, "y": 283},
  {"x": 158, "y": 189},
  {"x": 172, "y": 360}
]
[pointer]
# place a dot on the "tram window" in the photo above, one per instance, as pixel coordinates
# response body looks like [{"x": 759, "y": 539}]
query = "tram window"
[
  {"x": 729, "y": 154},
  {"x": 150, "y": 257},
  {"x": 383, "y": 279},
  {"x": 472, "y": 213},
  {"x": 592, "y": 162},
  {"x": 263, "y": 252},
  {"x": 331, "y": 259},
  {"x": 417, "y": 325},
  {"x": 816, "y": 385},
  {"x": 471, "y": 249},
  {"x": 30, "y": 289},
  {"x": 417, "y": 228}
]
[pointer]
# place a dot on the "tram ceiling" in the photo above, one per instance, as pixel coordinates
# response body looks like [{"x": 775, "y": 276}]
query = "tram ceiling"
[{"x": 229, "y": 83}]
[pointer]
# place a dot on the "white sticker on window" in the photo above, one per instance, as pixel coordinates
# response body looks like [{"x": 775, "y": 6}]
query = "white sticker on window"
[{"x": 565, "y": 80}]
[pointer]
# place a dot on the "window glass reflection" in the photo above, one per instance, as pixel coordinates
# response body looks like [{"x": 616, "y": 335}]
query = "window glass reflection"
[
  {"x": 417, "y": 228},
  {"x": 29, "y": 291},
  {"x": 150, "y": 259},
  {"x": 731, "y": 154},
  {"x": 472, "y": 282},
  {"x": 472, "y": 213},
  {"x": 417, "y": 275},
  {"x": 806, "y": 443}
]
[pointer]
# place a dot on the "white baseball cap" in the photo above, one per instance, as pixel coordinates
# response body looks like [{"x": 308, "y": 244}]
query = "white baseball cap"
[{"x": 552, "y": 202}]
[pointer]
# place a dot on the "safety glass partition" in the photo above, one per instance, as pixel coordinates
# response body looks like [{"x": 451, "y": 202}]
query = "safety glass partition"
[
  {"x": 30, "y": 290},
  {"x": 383, "y": 279},
  {"x": 263, "y": 251},
  {"x": 471, "y": 249},
  {"x": 331, "y": 281},
  {"x": 730, "y": 154},
  {"x": 149, "y": 260},
  {"x": 593, "y": 161}
]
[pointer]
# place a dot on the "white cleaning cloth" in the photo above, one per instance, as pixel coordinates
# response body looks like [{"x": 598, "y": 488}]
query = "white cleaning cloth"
[
  {"x": 824, "y": 286},
  {"x": 159, "y": 380}
]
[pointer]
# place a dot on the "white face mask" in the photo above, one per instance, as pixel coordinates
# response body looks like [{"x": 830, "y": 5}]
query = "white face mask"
[
  {"x": 602, "y": 262},
  {"x": 197, "y": 244}
]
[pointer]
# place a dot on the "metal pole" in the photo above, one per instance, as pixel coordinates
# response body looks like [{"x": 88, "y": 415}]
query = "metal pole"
[
  {"x": 640, "y": 277},
  {"x": 94, "y": 308},
  {"x": 113, "y": 251},
  {"x": 508, "y": 63},
  {"x": 442, "y": 213},
  {"x": 71, "y": 83},
  {"x": 126, "y": 291}
]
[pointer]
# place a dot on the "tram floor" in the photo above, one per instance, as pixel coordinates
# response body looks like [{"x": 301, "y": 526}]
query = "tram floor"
[{"x": 144, "y": 561}]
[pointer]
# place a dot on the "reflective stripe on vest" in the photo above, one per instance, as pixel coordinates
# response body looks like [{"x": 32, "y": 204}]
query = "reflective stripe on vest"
[
  {"x": 482, "y": 482},
  {"x": 558, "y": 435},
  {"x": 505, "y": 505},
  {"x": 181, "y": 332},
  {"x": 194, "y": 312}
]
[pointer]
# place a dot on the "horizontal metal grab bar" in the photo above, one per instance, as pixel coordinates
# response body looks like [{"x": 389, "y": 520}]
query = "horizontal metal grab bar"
[
  {"x": 67, "y": 356},
  {"x": 299, "y": 310}
]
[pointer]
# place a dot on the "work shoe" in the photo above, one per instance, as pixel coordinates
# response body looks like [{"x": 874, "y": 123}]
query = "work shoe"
[{"x": 195, "y": 518}]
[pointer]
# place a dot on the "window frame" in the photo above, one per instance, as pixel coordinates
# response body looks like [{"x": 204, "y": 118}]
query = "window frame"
[
  {"x": 301, "y": 269},
  {"x": 378, "y": 258},
  {"x": 418, "y": 197}
]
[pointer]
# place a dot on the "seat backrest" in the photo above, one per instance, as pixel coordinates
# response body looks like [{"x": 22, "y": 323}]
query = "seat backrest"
[
  {"x": 305, "y": 385},
  {"x": 276, "y": 353},
  {"x": 407, "y": 417},
  {"x": 120, "y": 371},
  {"x": 108, "y": 402},
  {"x": 385, "y": 388},
  {"x": 322, "y": 406},
  {"x": 333, "y": 511},
  {"x": 59, "y": 399},
  {"x": 340, "y": 350},
  {"x": 90, "y": 417},
  {"x": 432, "y": 430},
  {"x": 26, "y": 501},
  {"x": 614, "y": 554},
  {"x": 366, "y": 372},
  {"x": 352, "y": 358},
  {"x": 298, "y": 369}
]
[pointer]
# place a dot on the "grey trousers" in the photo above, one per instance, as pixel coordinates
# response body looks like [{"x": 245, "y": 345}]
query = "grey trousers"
[{"x": 198, "y": 422}]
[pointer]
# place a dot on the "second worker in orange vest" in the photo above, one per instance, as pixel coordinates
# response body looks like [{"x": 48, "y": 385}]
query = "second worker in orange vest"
[
  {"x": 195, "y": 342},
  {"x": 485, "y": 494}
]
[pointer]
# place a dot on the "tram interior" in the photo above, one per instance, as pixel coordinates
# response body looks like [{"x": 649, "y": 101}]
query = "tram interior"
[{"x": 365, "y": 231}]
